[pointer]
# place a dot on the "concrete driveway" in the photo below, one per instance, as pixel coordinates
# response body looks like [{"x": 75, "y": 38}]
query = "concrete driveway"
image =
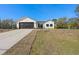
[{"x": 8, "y": 39}]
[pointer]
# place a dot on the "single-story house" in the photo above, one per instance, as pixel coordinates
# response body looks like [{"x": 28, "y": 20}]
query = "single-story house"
[{"x": 30, "y": 23}]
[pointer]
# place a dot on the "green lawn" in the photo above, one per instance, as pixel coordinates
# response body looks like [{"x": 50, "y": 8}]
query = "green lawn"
[{"x": 56, "y": 42}]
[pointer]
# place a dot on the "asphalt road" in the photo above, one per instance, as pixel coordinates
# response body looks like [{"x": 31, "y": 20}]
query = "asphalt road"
[{"x": 10, "y": 38}]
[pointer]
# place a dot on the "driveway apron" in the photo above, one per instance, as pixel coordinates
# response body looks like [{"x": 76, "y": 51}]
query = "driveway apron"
[{"x": 10, "y": 38}]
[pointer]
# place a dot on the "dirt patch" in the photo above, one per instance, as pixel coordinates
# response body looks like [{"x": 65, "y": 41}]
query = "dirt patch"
[
  {"x": 5, "y": 30},
  {"x": 23, "y": 47}
]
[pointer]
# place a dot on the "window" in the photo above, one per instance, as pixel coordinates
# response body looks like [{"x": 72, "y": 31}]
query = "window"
[
  {"x": 47, "y": 25},
  {"x": 51, "y": 25}
]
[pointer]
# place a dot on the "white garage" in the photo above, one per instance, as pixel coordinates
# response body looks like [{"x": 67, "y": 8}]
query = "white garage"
[{"x": 26, "y": 23}]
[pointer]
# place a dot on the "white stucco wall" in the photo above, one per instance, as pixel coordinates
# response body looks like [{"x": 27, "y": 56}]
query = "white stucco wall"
[
  {"x": 27, "y": 20},
  {"x": 48, "y": 22}
]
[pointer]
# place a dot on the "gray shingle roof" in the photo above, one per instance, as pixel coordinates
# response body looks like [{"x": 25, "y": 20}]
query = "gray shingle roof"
[{"x": 41, "y": 22}]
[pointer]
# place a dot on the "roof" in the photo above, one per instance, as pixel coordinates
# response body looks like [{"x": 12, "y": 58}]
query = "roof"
[
  {"x": 41, "y": 22},
  {"x": 22, "y": 18}
]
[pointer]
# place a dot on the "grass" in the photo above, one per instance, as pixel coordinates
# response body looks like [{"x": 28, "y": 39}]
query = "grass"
[{"x": 56, "y": 42}]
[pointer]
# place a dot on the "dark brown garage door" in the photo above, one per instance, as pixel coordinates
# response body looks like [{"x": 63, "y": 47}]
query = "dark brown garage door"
[{"x": 26, "y": 25}]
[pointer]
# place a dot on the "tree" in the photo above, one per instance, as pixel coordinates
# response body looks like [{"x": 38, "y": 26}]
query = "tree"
[
  {"x": 54, "y": 20},
  {"x": 72, "y": 23},
  {"x": 8, "y": 24},
  {"x": 77, "y": 10},
  {"x": 0, "y": 23},
  {"x": 77, "y": 14},
  {"x": 61, "y": 23}
]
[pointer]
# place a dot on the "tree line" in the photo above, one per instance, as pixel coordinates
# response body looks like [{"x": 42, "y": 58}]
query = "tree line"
[
  {"x": 68, "y": 23},
  {"x": 7, "y": 24},
  {"x": 65, "y": 23}
]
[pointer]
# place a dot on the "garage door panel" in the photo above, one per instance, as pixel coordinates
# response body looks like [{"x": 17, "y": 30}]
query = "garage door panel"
[{"x": 26, "y": 25}]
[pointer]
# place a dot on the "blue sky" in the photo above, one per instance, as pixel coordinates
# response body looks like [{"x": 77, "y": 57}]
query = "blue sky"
[{"x": 37, "y": 11}]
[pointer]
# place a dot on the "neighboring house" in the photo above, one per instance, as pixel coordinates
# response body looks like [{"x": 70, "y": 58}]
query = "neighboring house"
[{"x": 30, "y": 23}]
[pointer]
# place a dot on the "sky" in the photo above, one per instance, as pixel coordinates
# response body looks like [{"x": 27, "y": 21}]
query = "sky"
[{"x": 37, "y": 11}]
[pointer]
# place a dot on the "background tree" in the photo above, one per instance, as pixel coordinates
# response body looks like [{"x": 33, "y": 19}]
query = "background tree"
[
  {"x": 61, "y": 23},
  {"x": 72, "y": 23},
  {"x": 0, "y": 23},
  {"x": 8, "y": 24},
  {"x": 54, "y": 20},
  {"x": 77, "y": 11}
]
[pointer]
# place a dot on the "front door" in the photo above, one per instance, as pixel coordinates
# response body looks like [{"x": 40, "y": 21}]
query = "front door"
[{"x": 40, "y": 26}]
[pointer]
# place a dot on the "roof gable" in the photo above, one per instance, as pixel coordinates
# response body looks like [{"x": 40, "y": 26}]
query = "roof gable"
[{"x": 24, "y": 19}]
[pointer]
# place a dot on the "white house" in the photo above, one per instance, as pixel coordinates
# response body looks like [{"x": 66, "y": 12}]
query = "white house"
[{"x": 30, "y": 23}]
